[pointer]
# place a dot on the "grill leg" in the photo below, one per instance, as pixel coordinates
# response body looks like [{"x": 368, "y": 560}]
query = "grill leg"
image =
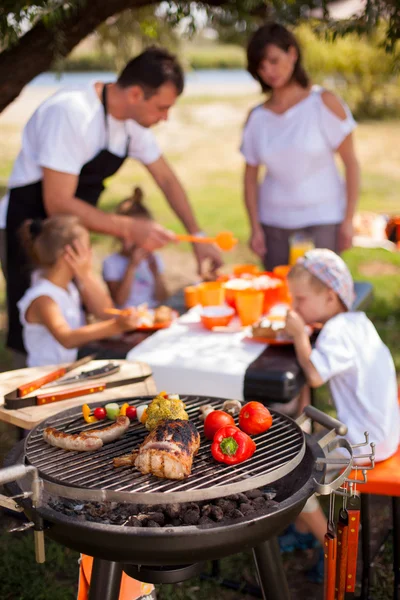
[
  {"x": 105, "y": 581},
  {"x": 365, "y": 545},
  {"x": 270, "y": 571},
  {"x": 396, "y": 546}
]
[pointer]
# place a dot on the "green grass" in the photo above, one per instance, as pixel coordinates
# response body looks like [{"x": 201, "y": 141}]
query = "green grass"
[{"x": 210, "y": 168}]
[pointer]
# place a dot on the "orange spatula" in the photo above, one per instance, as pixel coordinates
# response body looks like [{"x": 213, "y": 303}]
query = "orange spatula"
[{"x": 224, "y": 240}]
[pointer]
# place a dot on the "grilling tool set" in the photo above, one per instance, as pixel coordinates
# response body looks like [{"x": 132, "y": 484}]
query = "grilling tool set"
[{"x": 20, "y": 397}]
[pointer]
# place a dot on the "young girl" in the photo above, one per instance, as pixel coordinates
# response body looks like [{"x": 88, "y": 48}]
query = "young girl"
[
  {"x": 350, "y": 355},
  {"x": 133, "y": 275},
  {"x": 50, "y": 311}
]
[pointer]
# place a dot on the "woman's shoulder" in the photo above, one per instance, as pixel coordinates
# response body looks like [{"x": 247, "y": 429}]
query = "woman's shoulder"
[
  {"x": 255, "y": 114},
  {"x": 331, "y": 101}
]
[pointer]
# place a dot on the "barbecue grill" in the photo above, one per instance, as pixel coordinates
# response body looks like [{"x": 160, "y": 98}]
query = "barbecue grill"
[{"x": 286, "y": 459}]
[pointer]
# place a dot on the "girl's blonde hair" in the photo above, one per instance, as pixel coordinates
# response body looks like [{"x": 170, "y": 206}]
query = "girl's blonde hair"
[
  {"x": 133, "y": 206},
  {"x": 44, "y": 241}
]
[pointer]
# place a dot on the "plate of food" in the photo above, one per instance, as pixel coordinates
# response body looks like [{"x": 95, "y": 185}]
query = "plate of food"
[
  {"x": 155, "y": 318},
  {"x": 271, "y": 330},
  {"x": 150, "y": 319}
]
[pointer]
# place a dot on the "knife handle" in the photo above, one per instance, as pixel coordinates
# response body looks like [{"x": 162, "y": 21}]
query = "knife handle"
[
  {"x": 342, "y": 554},
  {"x": 354, "y": 525},
  {"x": 27, "y": 388},
  {"x": 67, "y": 394},
  {"x": 330, "y": 556}
]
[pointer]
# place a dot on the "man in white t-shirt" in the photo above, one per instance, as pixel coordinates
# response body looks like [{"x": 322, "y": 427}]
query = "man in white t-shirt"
[{"x": 72, "y": 143}]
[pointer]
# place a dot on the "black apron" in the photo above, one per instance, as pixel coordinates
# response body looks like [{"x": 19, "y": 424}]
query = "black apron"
[{"x": 26, "y": 202}]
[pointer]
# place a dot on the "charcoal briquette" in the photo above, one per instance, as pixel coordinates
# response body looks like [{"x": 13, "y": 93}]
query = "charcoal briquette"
[{"x": 252, "y": 494}]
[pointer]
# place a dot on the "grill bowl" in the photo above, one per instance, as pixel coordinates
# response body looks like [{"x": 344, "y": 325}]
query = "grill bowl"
[{"x": 179, "y": 545}]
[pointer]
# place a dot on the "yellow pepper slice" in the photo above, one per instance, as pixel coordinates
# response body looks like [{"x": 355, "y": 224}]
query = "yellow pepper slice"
[
  {"x": 122, "y": 412},
  {"x": 86, "y": 414}
]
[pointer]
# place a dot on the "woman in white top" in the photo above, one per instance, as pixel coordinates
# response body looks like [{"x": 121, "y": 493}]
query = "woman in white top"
[
  {"x": 134, "y": 275},
  {"x": 295, "y": 134},
  {"x": 50, "y": 310}
]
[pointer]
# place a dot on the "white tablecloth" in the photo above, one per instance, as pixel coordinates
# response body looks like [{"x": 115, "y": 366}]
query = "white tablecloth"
[{"x": 188, "y": 359}]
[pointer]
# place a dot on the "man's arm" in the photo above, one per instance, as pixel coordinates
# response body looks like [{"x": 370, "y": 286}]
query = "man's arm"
[
  {"x": 171, "y": 187},
  {"x": 59, "y": 198},
  {"x": 178, "y": 201}
]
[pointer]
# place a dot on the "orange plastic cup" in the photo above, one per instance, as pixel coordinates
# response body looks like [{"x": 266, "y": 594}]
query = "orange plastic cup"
[
  {"x": 192, "y": 296},
  {"x": 211, "y": 293},
  {"x": 239, "y": 270},
  {"x": 249, "y": 305},
  {"x": 282, "y": 272}
]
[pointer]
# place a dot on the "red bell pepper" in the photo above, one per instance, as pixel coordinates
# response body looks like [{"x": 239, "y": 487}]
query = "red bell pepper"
[{"x": 232, "y": 446}]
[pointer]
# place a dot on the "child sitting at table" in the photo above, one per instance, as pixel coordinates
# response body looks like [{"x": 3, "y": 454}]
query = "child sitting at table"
[
  {"x": 350, "y": 355},
  {"x": 133, "y": 275},
  {"x": 50, "y": 310}
]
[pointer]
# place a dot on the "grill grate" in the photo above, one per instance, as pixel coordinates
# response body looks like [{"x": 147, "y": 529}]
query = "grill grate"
[{"x": 92, "y": 476}]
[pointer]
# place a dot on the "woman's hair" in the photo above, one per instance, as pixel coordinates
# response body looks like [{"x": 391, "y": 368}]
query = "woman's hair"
[
  {"x": 44, "y": 241},
  {"x": 278, "y": 35},
  {"x": 133, "y": 206}
]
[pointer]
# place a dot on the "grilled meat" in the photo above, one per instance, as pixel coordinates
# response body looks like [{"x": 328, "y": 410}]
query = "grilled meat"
[{"x": 167, "y": 451}]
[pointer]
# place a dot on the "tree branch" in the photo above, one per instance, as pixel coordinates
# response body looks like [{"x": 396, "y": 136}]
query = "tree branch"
[{"x": 35, "y": 51}]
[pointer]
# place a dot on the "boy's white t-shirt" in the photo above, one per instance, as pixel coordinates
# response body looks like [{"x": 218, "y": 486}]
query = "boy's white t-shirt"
[
  {"x": 143, "y": 285},
  {"x": 351, "y": 356},
  {"x": 42, "y": 348},
  {"x": 66, "y": 131}
]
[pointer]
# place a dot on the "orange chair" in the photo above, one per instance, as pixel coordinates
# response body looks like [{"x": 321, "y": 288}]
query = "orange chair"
[{"x": 383, "y": 480}]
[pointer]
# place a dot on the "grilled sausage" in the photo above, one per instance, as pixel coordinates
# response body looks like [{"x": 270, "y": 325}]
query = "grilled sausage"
[
  {"x": 112, "y": 432},
  {"x": 88, "y": 440},
  {"x": 72, "y": 441}
]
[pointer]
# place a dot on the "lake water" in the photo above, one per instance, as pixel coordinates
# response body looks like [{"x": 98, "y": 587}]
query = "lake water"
[{"x": 201, "y": 78}]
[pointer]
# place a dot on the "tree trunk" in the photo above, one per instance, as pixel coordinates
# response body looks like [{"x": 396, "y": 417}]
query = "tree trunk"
[{"x": 35, "y": 51}]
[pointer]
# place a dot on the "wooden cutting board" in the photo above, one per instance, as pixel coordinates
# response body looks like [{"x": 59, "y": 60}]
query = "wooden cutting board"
[{"x": 29, "y": 417}]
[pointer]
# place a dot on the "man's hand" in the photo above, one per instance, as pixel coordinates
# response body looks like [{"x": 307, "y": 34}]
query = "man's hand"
[
  {"x": 257, "y": 243},
  {"x": 346, "y": 232},
  {"x": 79, "y": 259},
  {"x": 145, "y": 233},
  {"x": 208, "y": 253},
  {"x": 295, "y": 325}
]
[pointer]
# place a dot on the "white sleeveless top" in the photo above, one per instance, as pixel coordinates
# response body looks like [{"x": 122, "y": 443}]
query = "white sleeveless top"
[
  {"x": 42, "y": 348},
  {"x": 302, "y": 185}
]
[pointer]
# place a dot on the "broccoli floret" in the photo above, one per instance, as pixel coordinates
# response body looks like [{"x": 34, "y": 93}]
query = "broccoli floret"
[{"x": 164, "y": 408}]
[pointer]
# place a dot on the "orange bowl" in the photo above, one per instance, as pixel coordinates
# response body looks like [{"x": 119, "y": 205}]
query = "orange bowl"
[{"x": 216, "y": 316}]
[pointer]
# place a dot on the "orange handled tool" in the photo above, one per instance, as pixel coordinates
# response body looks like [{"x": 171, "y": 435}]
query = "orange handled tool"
[
  {"x": 342, "y": 554},
  {"x": 36, "y": 384},
  {"x": 330, "y": 554},
  {"x": 353, "y": 509},
  {"x": 224, "y": 240}
]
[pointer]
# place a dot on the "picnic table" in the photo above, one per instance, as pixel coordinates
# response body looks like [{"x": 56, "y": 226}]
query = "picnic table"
[{"x": 274, "y": 374}]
